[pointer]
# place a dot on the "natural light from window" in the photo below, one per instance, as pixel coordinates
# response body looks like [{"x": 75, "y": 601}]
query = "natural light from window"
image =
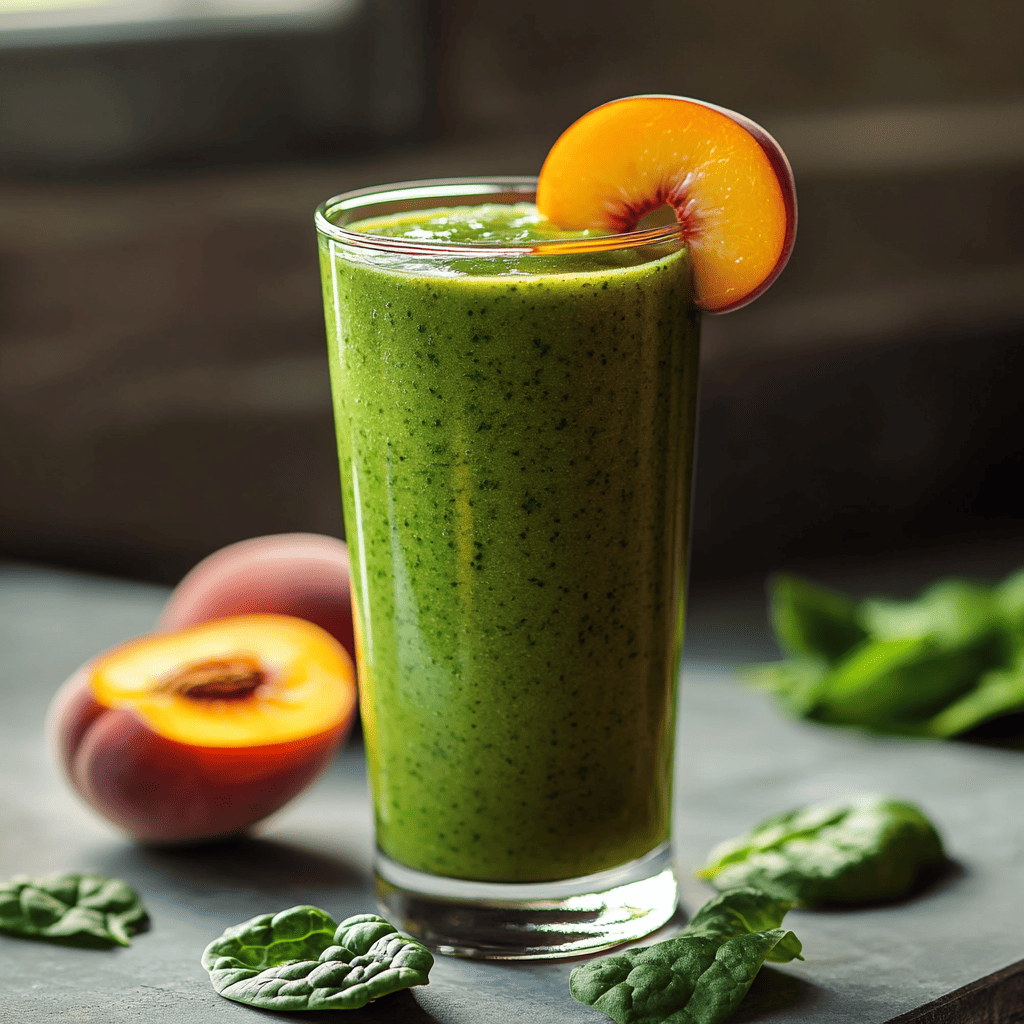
[{"x": 33, "y": 16}]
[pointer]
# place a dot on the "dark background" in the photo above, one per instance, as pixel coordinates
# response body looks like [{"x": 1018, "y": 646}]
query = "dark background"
[{"x": 163, "y": 380}]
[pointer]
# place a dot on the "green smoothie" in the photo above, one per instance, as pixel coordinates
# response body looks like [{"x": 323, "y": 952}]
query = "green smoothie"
[{"x": 515, "y": 436}]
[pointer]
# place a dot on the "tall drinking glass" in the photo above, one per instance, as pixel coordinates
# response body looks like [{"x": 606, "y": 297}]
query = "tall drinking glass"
[{"x": 515, "y": 426}]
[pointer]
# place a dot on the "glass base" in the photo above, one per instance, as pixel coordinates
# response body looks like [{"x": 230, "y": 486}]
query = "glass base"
[{"x": 532, "y": 921}]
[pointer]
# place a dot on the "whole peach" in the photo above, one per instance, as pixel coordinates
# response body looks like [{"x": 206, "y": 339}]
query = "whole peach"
[
  {"x": 301, "y": 574},
  {"x": 180, "y": 737}
]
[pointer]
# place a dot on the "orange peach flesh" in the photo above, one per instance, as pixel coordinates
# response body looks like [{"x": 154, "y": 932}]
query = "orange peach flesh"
[
  {"x": 727, "y": 180},
  {"x": 305, "y": 684}
]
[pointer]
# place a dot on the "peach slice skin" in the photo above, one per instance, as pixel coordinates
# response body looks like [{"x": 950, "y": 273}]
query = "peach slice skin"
[{"x": 727, "y": 179}]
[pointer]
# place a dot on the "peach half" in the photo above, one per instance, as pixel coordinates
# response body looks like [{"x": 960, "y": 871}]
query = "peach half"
[
  {"x": 300, "y": 574},
  {"x": 726, "y": 178},
  {"x": 178, "y": 737}
]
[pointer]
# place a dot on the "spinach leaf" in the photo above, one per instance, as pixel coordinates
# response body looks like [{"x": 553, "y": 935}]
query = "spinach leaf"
[
  {"x": 998, "y": 693},
  {"x": 798, "y": 683},
  {"x": 300, "y": 959},
  {"x": 950, "y": 613},
  {"x": 698, "y": 977},
  {"x": 742, "y": 911},
  {"x": 871, "y": 847},
  {"x": 72, "y": 910},
  {"x": 896, "y": 685},
  {"x": 1009, "y": 601},
  {"x": 937, "y": 665},
  {"x": 811, "y": 621}
]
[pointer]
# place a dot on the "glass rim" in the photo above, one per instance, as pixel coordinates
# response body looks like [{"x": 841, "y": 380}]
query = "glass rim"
[{"x": 478, "y": 188}]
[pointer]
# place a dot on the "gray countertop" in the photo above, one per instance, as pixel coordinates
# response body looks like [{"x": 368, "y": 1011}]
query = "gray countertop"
[{"x": 953, "y": 953}]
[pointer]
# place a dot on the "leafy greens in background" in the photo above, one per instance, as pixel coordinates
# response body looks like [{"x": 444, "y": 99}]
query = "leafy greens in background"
[
  {"x": 300, "y": 959},
  {"x": 73, "y": 910},
  {"x": 868, "y": 848},
  {"x": 939, "y": 665},
  {"x": 701, "y": 975}
]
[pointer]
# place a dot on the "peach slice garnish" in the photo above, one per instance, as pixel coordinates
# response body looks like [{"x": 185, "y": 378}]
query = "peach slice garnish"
[{"x": 728, "y": 181}]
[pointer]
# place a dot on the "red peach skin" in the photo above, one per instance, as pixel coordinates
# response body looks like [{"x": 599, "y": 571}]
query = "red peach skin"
[
  {"x": 300, "y": 574},
  {"x": 71, "y": 713},
  {"x": 159, "y": 791}
]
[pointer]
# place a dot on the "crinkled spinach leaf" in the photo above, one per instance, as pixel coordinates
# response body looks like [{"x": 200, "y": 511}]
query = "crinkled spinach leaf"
[
  {"x": 299, "y": 959},
  {"x": 73, "y": 909},
  {"x": 871, "y": 847},
  {"x": 744, "y": 910},
  {"x": 698, "y": 977}
]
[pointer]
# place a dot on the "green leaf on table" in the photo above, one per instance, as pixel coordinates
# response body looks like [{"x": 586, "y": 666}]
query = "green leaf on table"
[
  {"x": 933, "y": 666},
  {"x": 796, "y": 682},
  {"x": 870, "y": 847},
  {"x": 896, "y": 685},
  {"x": 999, "y": 692},
  {"x": 1009, "y": 601},
  {"x": 299, "y": 959},
  {"x": 72, "y": 909},
  {"x": 698, "y": 977},
  {"x": 921, "y": 656},
  {"x": 951, "y": 614},
  {"x": 742, "y": 911},
  {"x": 810, "y": 621}
]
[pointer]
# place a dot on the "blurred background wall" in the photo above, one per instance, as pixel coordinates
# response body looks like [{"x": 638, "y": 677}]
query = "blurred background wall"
[{"x": 163, "y": 381}]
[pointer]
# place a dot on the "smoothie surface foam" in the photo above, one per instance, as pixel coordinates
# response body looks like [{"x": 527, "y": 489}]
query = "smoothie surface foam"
[
  {"x": 495, "y": 225},
  {"x": 488, "y": 223}
]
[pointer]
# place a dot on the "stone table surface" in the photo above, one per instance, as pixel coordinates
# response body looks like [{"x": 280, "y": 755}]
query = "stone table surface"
[{"x": 953, "y": 953}]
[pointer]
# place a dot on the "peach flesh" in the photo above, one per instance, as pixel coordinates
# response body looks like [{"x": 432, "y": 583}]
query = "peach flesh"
[
  {"x": 159, "y": 790},
  {"x": 300, "y": 574},
  {"x": 728, "y": 181}
]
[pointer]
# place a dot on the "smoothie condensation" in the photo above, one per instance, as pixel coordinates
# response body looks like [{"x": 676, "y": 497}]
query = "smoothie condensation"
[{"x": 515, "y": 437}]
